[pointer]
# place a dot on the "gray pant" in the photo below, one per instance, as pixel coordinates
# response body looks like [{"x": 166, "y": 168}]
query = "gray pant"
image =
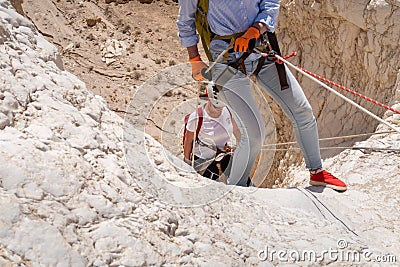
[{"x": 236, "y": 94}]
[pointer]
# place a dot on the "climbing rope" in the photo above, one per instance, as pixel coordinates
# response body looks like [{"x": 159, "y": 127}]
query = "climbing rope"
[
  {"x": 333, "y": 91},
  {"x": 383, "y": 149},
  {"x": 217, "y": 59},
  {"x": 198, "y": 104},
  {"x": 277, "y": 60},
  {"x": 350, "y": 91},
  {"x": 318, "y": 79},
  {"x": 333, "y": 138},
  {"x": 293, "y": 54}
]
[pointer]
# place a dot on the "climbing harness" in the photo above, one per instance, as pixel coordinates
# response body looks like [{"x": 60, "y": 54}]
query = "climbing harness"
[
  {"x": 270, "y": 45},
  {"x": 274, "y": 47}
]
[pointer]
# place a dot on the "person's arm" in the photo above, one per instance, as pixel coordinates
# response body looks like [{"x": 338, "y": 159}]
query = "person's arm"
[
  {"x": 268, "y": 15},
  {"x": 236, "y": 131},
  {"x": 260, "y": 26},
  {"x": 189, "y": 137},
  {"x": 265, "y": 21},
  {"x": 188, "y": 145},
  {"x": 192, "y": 51},
  {"x": 197, "y": 63},
  {"x": 186, "y": 23},
  {"x": 188, "y": 37}
]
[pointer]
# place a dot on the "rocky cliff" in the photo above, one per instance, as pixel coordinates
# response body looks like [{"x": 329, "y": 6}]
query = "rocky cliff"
[{"x": 354, "y": 43}]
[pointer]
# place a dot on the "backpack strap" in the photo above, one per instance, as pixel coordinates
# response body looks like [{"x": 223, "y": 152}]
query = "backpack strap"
[
  {"x": 205, "y": 32},
  {"x": 202, "y": 26},
  {"x": 200, "y": 122}
]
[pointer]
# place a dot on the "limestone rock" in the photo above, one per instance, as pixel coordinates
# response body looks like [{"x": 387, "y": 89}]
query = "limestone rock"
[
  {"x": 111, "y": 50},
  {"x": 79, "y": 185}
]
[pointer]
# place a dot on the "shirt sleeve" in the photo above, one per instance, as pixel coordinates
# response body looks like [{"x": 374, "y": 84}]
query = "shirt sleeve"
[
  {"x": 186, "y": 23},
  {"x": 191, "y": 122},
  {"x": 269, "y": 12}
]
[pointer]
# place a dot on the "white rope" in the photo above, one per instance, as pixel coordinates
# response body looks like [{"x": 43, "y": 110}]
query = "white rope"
[
  {"x": 217, "y": 59},
  {"x": 340, "y": 147},
  {"x": 332, "y": 138},
  {"x": 335, "y": 92}
]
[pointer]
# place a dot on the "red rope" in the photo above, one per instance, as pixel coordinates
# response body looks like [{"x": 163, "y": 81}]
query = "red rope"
[
  {"x": 350, "y": 91},
  {"x": 341, "y": 86},
  {"x": 286, "y": 57}
]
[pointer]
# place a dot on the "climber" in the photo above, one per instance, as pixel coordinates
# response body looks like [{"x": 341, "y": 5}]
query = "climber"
[
  {"x": 254, "y": 18},
  {"x": 214, "y": 127}
]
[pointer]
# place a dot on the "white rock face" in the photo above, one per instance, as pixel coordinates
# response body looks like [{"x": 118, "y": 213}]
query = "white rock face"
[
  {"x": 354, "y": 43},
  {"x": 68, "y": 199}
]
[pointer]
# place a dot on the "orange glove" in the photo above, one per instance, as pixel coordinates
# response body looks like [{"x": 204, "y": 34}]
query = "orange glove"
[
  {"x": 247, "y": 41},
  {"x": 197, "y": 66}
]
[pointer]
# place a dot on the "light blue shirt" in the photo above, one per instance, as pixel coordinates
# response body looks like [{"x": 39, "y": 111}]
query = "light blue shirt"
[{"x": 226, "y": 17}]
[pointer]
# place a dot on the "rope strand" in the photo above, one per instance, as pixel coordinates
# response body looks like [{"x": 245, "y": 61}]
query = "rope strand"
[
  {"x": 336, "y": 93},
  {"x": 349, "y": 90},
  {"x": 333, "y": 138},
  {"x": 340, "y": 147}
]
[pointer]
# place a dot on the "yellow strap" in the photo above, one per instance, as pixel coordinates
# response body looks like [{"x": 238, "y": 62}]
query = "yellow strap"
[{"x": 231, "y": 37}]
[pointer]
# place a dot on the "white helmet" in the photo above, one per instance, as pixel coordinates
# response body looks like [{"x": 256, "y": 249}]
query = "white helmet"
[{"x": 212, "y": 93}]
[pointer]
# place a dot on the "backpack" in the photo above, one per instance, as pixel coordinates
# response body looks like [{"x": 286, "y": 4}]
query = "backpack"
[
  {"x": 203, "y": 28},
  {"x": 199, "y": 123}
]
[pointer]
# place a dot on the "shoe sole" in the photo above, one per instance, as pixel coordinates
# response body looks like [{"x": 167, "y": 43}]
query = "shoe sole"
[{"x": 335, "y": 187}]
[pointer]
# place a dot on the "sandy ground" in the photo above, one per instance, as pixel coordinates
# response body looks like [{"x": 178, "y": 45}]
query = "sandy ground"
[{"x": 85, "y": 31}]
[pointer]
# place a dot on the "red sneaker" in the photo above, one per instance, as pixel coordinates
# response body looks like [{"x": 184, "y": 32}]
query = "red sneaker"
[{"x": 324, "y": 178}]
